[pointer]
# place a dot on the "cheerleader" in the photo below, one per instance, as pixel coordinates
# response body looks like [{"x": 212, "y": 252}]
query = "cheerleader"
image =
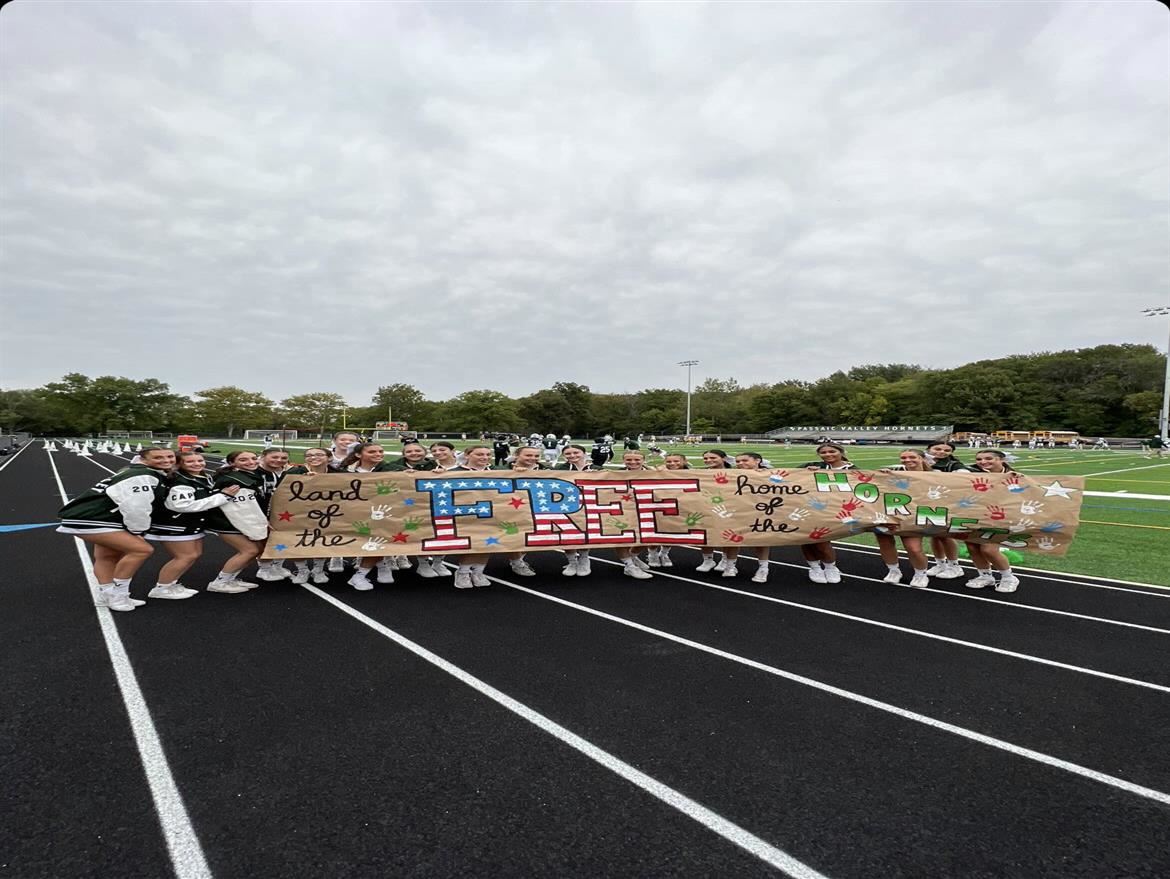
[
  {"x": 369, "y": 458},
  {"x": 821, "y": 557},
  {"x": 914, "y": 461},
  {"x": 273, "y": 463},
  {"x": 716, "y": 459},
  {"x": 317, "y": 463},
  {"x": 673, "y": 461},
  {"x": 343, "y": 443},
  {"x": 527, "y": 459},
  {"x": 113, "y": 517},
  {"x": 751, "y": 461},
  {"x": 178, "y": 521},
  {"x": 576, "y": 560},
  {"x": 414, "y": 457},
  {"x": 470, "y": 572},
  {"x": 632, "y": 564},
  {"x": 444, "y": 455},
  {"x": 941, "y": 457},
  {"x": 241, "y": 524},
  {"x": 987, "y": 556}
]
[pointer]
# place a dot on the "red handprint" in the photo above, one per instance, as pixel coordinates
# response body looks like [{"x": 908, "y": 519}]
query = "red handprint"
[
  {"x": 721, "y": 479},
  {"x": 818, "y": 533},
  {"x": 732, "y": 537},
  {"x": 850, "y": 505},
  {"x": 865, "y": 477},
  {"x": 846, "y": 516},
  {"x": 980, "y": 484},
  {"x": 996, "y": 513}
]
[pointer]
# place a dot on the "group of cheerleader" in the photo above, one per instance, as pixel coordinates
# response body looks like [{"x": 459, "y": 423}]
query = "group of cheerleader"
[{"x": 174, "y": 500}]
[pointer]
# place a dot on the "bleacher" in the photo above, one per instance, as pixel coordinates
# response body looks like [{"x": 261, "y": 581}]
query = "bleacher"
[{"x": 919, "y": 433}]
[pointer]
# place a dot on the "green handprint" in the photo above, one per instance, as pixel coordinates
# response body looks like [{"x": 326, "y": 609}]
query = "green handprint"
[
  {"x": 386, "y": 488},
  {"x": 509, "y": 527},
  {"x": 716, "y": 498},
  {"x": 411, "y": 524},
  {"x": 362, "y": 528},
  {"x": 693, "y": 518},
  {"x": 618, "y": 523}
]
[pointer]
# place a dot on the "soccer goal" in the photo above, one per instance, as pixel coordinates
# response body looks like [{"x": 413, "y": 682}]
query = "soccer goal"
[
  {"x": 119, "y": 434},
  {"x": 275, "y": 434},
  {"x": 140, "y": 434}
]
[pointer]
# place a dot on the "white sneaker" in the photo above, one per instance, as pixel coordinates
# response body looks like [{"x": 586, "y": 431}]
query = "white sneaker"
[
  {"x": 817, "y": 575},
  {"x": 425, "y": 570},
  {"x": 463, "y": 580},
  {"x": 632, "y": 570},
  {"x": 385, "y": 571},
  {"x": 300, "y": 576},
  {"x": 228, "y": 587},
  {"x": 664, "y": 558},
  {"x": 892, "y": 577},
  {"x": 1007, "y": 583},
  {"x": 320, "y": 577},
  {"x": 730, "y": 570},
  {"x": 401, "y": 562},
  {"x": 936, "y": 569},
  {"x": 360, "y": 582},
  {"x": 570, "y": 568},
  {"x": 980, "y": 581},
  {"x": 761, "y": 574},
  {"x": 583, "y": 569},
  {"x": 478, "y": 579},
  {"x": 721, "y": 564},
  {"x": 179, "y": 587},
  {"x": 952, "y": 571},
  {"x": 114, "y": 599},
  {"x": 637, "y": 560},
  {"x": 170, "y": 590},
  {"x": 832, "y": 574},
  {"x": 272, "y": 575},
  {"x": 245, "y": 584},
  {"x": 335, "y": 565},
  {"x": 920, "y": 580},
  {"x": 707, "y": 564},
  {"x": 652, "y": 558},
  {"x": 522, "y": 568},
  {"x": 440, "y": 569}
]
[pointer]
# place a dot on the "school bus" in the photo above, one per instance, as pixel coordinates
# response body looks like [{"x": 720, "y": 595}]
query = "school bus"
[
  {"x": 1060, "y": 437},
  {"x": 1009, "y": 436}
]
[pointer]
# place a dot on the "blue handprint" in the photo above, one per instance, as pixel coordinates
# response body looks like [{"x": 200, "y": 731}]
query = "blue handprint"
[
  {"x": 902, "y": 484},
  {"x": 1052, "y": 527},
  {"x": 818, "y": 505},
  {"x": 965, "y": 502}
]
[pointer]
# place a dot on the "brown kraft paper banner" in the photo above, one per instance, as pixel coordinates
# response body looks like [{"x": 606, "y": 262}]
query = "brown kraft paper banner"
[{"x": 494, "y": 511}]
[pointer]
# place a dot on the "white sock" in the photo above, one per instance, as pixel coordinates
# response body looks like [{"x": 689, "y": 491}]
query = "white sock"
[
  {"x": 894, "y": 569},
  {"x": 464, "y": 569},
  {"x": 816, "y": 566},
  {"x": 125, "y": 582},
  {"x": 829, "y": 565},
  {"x": 478, "y": 568},
  {"x": 1006, "y": 572},
  {"x": 983, "y": 573},
  {"x": 160, "y": 583}
]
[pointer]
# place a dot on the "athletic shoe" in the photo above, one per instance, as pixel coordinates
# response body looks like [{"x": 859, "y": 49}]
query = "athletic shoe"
[
  {"x": 730, "y": 570},
  {"x": 425, "y": 570},
  {"x": 761, "y": 574},
  {"x": 641, "y": 564},
  {"x": 521, "y": 568},
  {"x": 401, "y": 562},
  {"x": 478, "y": 579},
  {"x": 951, "y": 572},
  {"x": 272, "y": 575},
  {"x": 385, "y": 571},
  {"x": 920, "y": 580},
  {"x": 980, "y": 581},
  {"x": 463, "y": 580},
  {"x": 360, "y": 582},
  {"x": 632, "y": 570},
  {"x": 936, "y": 569},
  {"x": 300, "y": 576},
  {"x": 832, "y": 575},
  {"x": 892, "y": 577},
  {"x": 721, "y": 564},
  {"x": 817, "y": 575},
  {"x": 664, "y": 558},
  {"x": 229, "y": 587},
  {"x": 652, "y": 558},
  {"x": 439, "y": 568},
  {"x": 179, "y": 587},
  {"x": 246, "y": 584},
  {"x": 570, "y": 568},
  {"x": 115, "y": 599},
  {"x": 708, "y": 564},
  {"x": 1007, "y": 583},
  {"x": 170, "y": 590},
  {"x": 583, "y": 569},
  {"x": 320, "y": 577},
  {"x": 335, "y": 565}
]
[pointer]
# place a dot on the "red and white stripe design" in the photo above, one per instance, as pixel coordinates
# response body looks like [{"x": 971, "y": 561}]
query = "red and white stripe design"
[
  {"x": 445, "y": 537},
  {"x": 648, "y": 506},
  {"x": 594, "y": 510},
  {"x": 554, "y": 529}
]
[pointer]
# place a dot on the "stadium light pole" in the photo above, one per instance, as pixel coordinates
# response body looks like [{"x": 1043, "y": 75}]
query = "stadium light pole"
[
  {"x": 688, "y": 364},
  {"x": 1164, "y": 415}
]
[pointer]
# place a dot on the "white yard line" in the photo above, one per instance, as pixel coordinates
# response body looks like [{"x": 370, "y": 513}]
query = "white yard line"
[
  {"x": 1124, "y": 470},
  {"x": 183, "y": 845},
  {"x": 4, "y": 466}
]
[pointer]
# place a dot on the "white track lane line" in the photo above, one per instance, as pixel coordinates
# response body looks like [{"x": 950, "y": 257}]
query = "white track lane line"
[
  {"x": 4, "y": 466},
  {"x": 1016, "y": 750},
  {"x": 919, "y": 632},
  {"x": 1062, "y": 576},
  {"x": 182, "y": 842},
  {"x": 673, "y": 798}
]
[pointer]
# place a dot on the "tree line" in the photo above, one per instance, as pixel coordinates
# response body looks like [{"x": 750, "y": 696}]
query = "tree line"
[{"x": 1111, "y": 390}]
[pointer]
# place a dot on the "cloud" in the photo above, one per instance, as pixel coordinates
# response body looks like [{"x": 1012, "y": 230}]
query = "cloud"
[{"x": 464, "y": 195}]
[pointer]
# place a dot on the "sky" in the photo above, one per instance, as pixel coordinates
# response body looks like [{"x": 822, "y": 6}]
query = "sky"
[{"x": 300, "y": 197}]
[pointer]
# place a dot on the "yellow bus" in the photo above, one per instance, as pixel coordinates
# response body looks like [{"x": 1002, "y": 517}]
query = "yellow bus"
[
  {"x": 1060, "y": 437},
  {"x": 1009, "y": 436}
]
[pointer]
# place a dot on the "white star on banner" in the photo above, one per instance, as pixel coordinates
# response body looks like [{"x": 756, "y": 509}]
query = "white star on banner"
[{"x": 1057, "y": 489}]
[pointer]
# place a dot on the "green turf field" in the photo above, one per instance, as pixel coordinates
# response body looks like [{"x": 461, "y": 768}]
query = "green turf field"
[{"x": 1126, "y": 538}]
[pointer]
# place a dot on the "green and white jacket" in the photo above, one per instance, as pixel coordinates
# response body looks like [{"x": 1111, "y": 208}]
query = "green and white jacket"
[{"x": 123, "y": 500}]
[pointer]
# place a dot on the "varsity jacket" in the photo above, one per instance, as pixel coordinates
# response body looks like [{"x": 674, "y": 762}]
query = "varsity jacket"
[
  {"x": 242, "y": 512},
  {"x": 124, "y": 500},
  {"x": 184, "y": 506}
]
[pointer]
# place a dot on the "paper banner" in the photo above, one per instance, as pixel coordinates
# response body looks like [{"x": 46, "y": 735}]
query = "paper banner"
[{"x": 437, "y": 513}]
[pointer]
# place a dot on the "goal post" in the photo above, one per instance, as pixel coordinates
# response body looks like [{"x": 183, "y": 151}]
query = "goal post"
[
  {"x": 275, "y": 434},
  {"x": 140, "y": 434}
]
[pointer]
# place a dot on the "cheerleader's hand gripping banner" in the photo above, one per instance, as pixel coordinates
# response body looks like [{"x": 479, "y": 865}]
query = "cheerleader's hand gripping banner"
[{"x": 436, "y": 512}]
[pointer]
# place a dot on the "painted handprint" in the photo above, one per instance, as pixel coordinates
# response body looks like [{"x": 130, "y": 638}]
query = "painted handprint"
[
  {"x": 732, "y": 536},
  {"x": 846, "y": 516},
  {"x": 850, "y": 505},
  {"x": 362, "y": 528},
  {"x": 966, "y": 502},
  {"x": 901, "y": 484},
  {"x": 379, "y": 511},
  {"x": 721, "y": 511},
  {"x": 411, "y": 524},
  {"x": 798, "y": 515},
  {"x": 621, "y": 524},
  {"x": 508, "y": 528},
  {"x": 865, "y": 477},
  {"x": 1021, "y": 525},
  {"x": 721, "y": 479},
  {"x": 386, "y": 488},
  {"x": 1052, "y": 527},
  {"x": 693, "y": 519},
  {"x": 374, "y": 544},
  {"x": 716, "y": 498},
  {"x": 937, "y": 492},
  {"x": 996, "y": 514},
  {"x": 1046, "y": 544},
  {"x": 777, "y": 475},
  {"x": 1031, "y": 508},
  {"x": 1013, "y": 483},
  {"x": 819, "y": 506},
  {"x": 818, "y": 533},
  {"x": 880, "y": 519},
  {"x": 981, "y": 484}
]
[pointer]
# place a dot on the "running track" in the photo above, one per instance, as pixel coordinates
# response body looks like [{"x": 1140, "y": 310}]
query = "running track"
[{"x": 576, "y": 728}]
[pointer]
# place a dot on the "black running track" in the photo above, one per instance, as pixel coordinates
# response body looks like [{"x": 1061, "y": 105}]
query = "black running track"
[{"x": 303, "y": 742}]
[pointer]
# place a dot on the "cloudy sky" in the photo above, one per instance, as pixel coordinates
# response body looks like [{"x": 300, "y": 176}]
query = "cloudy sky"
[{"x": 295, "y": 197}]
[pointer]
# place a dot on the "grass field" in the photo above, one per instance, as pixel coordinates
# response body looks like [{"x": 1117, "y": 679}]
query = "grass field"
[{"x": 1126, "y": 538}]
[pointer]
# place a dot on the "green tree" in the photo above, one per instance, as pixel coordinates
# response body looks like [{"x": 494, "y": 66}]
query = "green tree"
[
  {"x": 226, "y": 409},
  {"x": 107, "y": 401},
  {"x": 317, "y": 411},
  {"x": 474, "y": 411}
]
